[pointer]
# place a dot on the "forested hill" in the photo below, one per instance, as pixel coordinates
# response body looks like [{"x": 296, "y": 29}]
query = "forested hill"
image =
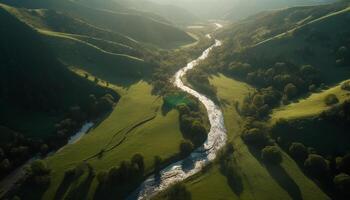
[{"x": 304, "y": 35}]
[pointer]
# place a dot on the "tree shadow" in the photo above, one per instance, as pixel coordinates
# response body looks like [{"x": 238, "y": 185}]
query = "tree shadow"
[
  {"x": 234, "y": 180},
  {"x": 82, "y": 190},
  {"x": 279, "y": 175},
  {"x": 166, "y": 108},
  {"x": 285, "y": 181},
  {"x": 63, "y": 187}
]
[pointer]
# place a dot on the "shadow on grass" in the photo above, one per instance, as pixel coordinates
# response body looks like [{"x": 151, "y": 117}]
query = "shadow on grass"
[
  {"x": 279, "y": 175},
  {"x": 64, "y": 186},
  {"x": 285, "y": 181},
  {"x": 82, "y": 189},
  {"x": 234, "y": 181}
]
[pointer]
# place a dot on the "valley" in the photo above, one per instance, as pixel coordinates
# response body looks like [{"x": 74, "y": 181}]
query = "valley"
[{"x": 165, "y": 100}]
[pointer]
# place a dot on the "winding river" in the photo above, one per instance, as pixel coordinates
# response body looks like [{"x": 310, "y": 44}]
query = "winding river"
[{"x": 191, "y": 165}]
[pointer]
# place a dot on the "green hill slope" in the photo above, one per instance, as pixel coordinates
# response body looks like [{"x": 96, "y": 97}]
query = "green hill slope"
[
  {"x": 310, "y": 106},
  {"x": 260, "y": 27},
  {"x": 314, "y": 43},
  {"x": 35, "y": 88},
  {"x": 175, "y": 14},
  {"x": 138, "y": 26}
]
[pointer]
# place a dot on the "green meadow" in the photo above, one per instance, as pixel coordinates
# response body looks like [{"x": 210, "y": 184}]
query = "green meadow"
[
  {"x": 310, "y": 106},
  {"x": 257, "y": 180},
  {"x": 158, "y": 136}
]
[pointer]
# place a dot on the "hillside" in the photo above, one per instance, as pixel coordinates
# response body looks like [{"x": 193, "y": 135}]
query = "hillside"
[
  {"x": 174, "y": 14},
  {"x": 138, "y": 26},
  {"x": 308, "y": 39},
  {"x": 27, "y": 63},
  {"x": 243, "y": 9},
  {"x": 311, "y": 106},
  {"x": 262, "y": 26},
  {"x": 235, "y": 10},
  {"x": 296, "y": 58}
]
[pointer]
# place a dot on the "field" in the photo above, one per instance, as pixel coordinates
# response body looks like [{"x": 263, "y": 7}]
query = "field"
[
  {"x": 310, "y": 106},
  {"x": 158, "y": 136},
  {"x": 257, "y": 181}
]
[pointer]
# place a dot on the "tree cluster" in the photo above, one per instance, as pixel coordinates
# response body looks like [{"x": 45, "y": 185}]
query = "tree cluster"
[
  {"x": 126, "y": 175},
  {"x": 192, "y": 124}
]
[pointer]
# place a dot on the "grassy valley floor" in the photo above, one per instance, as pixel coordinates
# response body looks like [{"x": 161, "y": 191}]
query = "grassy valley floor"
[
  {"x": 257, "y": 181},
  {"x": 136, "y": 125}
]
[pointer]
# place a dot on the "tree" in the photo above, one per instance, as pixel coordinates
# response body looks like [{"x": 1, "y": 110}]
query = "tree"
[
  {"x": 342, "y": 185},
  {"x": 186, "y": 147},
  {"x": 106, "y": 103},
  {"x": 316, "y": 165},
  {"x": 5, "y": 165},
  {"x": 258, "y": 100},
  {"x": 271, "y": 154},
  {"x": 139, "y": 161},
  {"x": 2, "y": 153},
  {"x": 346, "y": 85},
  {"x": 39, "y": 168},
  {"x": 102, "y": 177},
  {"x": 290, "y": 90},
  {"x": 345, "y": 164},
  {"x": 157, "y": 164},
  {"x": 96, "y": 80},
  {"x": 198, "y": 132},
  {"x": 331, "y": 99},
  {"x": 39, "y": 173},
  {"x": 298, "y": 151},
  {"x": 44, "y": 148},
  {"x": 254, "y": 136}
]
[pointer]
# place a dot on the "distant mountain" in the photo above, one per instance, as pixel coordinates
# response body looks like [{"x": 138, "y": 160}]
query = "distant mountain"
[
  {"x": 175, "y": 14},
  {"x": 234, "y": 9},
  {"x": 241, "y": 9}
]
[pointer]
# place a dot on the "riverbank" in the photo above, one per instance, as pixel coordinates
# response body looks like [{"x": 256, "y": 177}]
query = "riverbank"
[{"x": 206, "y": 153}]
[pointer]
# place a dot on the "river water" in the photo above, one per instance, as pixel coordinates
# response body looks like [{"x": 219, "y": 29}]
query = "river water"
[{"x": 193, "y": 164}]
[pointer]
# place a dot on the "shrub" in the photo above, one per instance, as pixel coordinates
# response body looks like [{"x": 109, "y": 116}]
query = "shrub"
[
  {"x": 139, "y": 161},
  {"x": 271, "y": 154},
  {"x": 346, "y": 86},
  {"x": 345, "y": 164},
  {"x": 290, "y": 90},
  {"x": 258, "y": 100},
  {"x": 298, "y": 151},
  {"x": 342, "y": 185},
  {"x": 186, "y": 147},
  {"x": 106, "y": 103},
  {"x": 312, "y": 88},
  {"x": 316, "y": 165},
  {"x": 331, "y": 99},
  {"x": 39, "y": 168},
  {"x": 5, "y": 165}
]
